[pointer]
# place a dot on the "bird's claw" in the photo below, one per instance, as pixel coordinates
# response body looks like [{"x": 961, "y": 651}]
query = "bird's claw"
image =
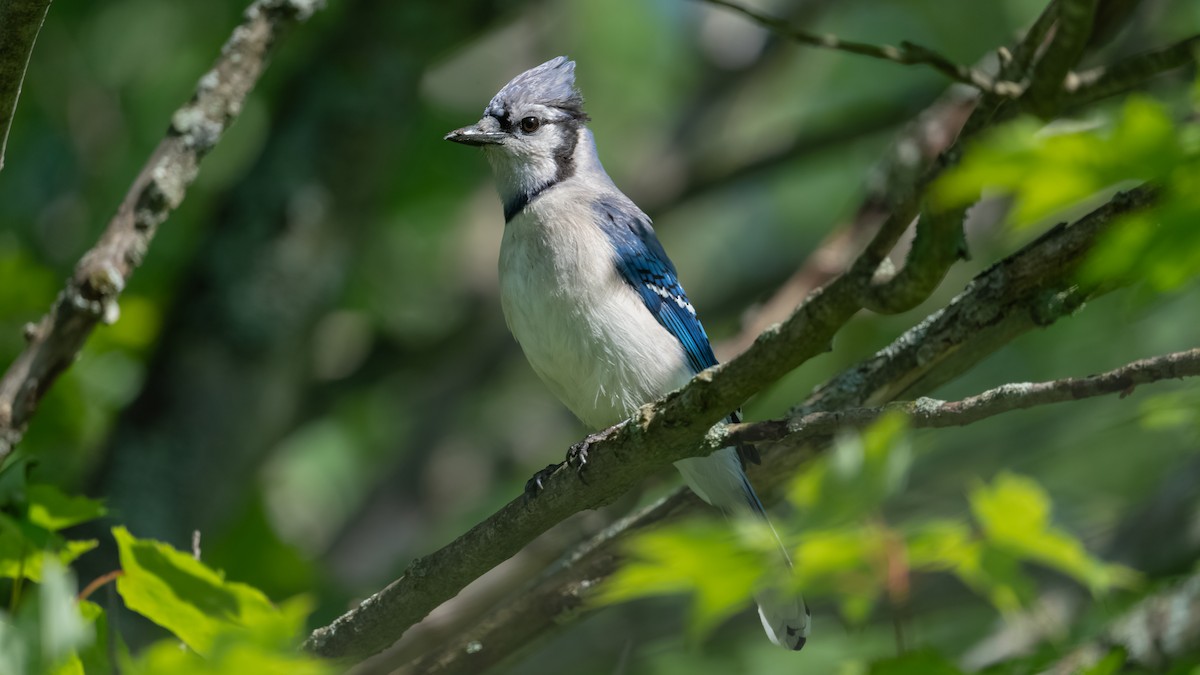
[
  {"x": 534, "y": 485},
  {"x": 577, "y": 457}
]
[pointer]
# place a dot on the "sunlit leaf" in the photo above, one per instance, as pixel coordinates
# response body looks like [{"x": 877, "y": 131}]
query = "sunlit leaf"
[
  {"x": 96, "y": 658},
  {"x": 1047, "y": 169},
  {"x": 854, "y": 479},
  {"x": 1014, "y": 513},
  {"x": 50, "y": 508},
  {"x": 845, "y": 563},
  {"x": 197, "y": 604},
  {"x": 239, "y": 657},
  {"x": 943, "y": 545},
  {"x": 24, "y": 548},
  {"x": 704, "y": 559}
]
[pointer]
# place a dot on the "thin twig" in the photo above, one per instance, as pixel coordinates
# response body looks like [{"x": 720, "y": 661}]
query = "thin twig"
[
  {"x": 930, "y": 413},
  {"x": 91, "y": 293},
  {"x": 20, "y": 23},
  {"x": 97, "y": 583},
  {"x": 1104, "y": 81},
  {"x": 907, "y": 53}
]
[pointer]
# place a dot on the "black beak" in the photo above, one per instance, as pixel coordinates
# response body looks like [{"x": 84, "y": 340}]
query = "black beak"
[{"x": 473, "y": 135}]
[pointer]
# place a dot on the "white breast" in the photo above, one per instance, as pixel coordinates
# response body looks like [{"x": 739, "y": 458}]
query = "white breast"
[{"x": 584, "y": 330}]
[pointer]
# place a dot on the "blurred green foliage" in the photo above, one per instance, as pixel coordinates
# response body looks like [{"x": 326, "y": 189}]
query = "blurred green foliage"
[
  {"x": 844, "y": 551},
  {"x": 1047, "y": 171}
]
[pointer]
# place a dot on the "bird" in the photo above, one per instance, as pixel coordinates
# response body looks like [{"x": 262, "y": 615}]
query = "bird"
[{"x": 590, "y": 295}]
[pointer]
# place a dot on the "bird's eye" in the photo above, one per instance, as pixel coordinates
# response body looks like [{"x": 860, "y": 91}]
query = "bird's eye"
[{"x": 530, "y": 124}]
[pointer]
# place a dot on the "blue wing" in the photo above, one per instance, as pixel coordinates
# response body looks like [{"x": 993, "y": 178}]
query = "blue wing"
[{"x": 644, "y": 265}]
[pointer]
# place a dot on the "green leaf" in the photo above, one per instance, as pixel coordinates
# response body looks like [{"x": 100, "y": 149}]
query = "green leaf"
[
  {"x": 853, "y": 480},
  {"x": 1046, "y": 169},
  {"x": 24, "y": 548},
  {"x": 197, "y": 604},
  {"x": 53, "y": 510},
  {"x": 1014, "y": 513},
  {"x": 845, "y": 563},
  {"x": 228, "y": 657},
  {"x": 704, "y": 559},
  {"x": 95, "y": 658}
]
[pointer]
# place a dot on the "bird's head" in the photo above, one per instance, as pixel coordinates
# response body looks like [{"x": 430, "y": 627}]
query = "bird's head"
[{"x": 530, "y": 128}]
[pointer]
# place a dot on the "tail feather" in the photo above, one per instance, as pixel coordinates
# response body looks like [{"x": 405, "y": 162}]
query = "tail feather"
[{"x": 719, "y": 480}]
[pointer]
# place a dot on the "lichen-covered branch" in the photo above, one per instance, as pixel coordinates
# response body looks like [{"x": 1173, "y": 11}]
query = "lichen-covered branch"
[
  {"x": 930, "y": 413},
  {"x": 20, "y": 23},
  {"x": 90, "y": 296},
  {"x": 938, "y": 244}
]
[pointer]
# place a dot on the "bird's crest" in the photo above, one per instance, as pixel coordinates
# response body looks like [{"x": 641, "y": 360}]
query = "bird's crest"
[{"x": 550, "y": 84}]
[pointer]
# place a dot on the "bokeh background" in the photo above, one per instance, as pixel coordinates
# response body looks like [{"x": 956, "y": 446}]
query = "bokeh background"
[{"x": 312, "y": 369}]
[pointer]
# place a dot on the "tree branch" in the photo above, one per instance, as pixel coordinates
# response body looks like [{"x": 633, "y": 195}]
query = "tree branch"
[
  {"x": 907, "y": 53},
  {"x": 91, "y": 293},
  {"x": 937, "y": 246},
  {"x": 1071, "y": 34},
  {"x": 20, "y": 23},
  {"x": 927, "y": 413},
  {"x": 1031, "y": 288},
  {"x": 1104, "y": 81}
]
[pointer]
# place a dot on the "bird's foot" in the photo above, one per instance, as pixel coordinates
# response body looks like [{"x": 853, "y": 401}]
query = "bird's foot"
[
  {"x": 577, "y": 458},
  {"x": 534, "y": 485}
]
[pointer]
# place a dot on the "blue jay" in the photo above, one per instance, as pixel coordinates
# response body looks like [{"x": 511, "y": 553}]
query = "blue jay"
[{"x": 590, "y": 294}]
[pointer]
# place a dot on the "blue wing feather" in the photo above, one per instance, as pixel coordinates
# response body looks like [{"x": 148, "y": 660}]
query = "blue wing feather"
[{"x": 644, "y": 265}]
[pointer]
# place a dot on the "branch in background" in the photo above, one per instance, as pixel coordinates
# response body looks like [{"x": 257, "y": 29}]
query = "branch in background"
[
  {"x": 20, "y": 23},
  {"x": 930, "y": 134},
  {"x": 938, "y": 244},
  {"x": 1071, "y": 34},
  {"x": 1154, "y": 634},
  {"x": 1009, "y": 299},
  {"x": 1032, "y": 288},
  {"x": 927, "y": 413},
  {"x": 91, "y": 293},
  {"x": 907, "y": 53},
  {"x": 1104, "y": 81}
]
